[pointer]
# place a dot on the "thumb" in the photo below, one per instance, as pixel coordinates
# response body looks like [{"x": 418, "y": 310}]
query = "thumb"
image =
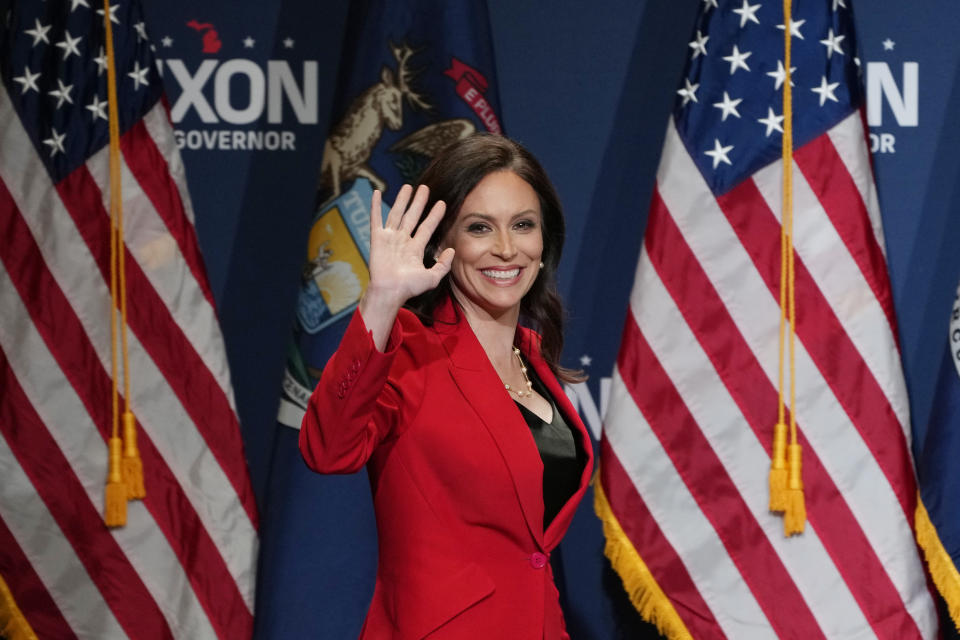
[{"x": 444, "y": 262}]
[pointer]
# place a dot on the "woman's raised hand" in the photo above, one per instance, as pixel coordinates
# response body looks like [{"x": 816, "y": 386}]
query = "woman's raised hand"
[{"x": 396, "y": 258}]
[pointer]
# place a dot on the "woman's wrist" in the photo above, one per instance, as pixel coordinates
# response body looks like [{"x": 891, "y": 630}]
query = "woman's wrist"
[
  {"x": 379, "y": 311},
  {"x": 381, "y": 301}
]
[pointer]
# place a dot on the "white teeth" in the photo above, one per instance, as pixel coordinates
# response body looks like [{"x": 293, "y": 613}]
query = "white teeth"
[{"x": 501, "y": 275}]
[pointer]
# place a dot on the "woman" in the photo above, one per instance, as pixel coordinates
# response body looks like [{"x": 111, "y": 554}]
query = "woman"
[{"x": 476, "y": 458}]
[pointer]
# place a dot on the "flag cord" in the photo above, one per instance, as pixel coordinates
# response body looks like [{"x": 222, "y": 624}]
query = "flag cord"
[
  {"x": 786, "y": 481},
  {"x": 125, "y": 475}
]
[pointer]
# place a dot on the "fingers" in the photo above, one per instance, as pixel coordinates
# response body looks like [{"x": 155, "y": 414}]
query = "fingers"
[
  {"x": 444, "y": 262},
  {"x": 399, "y": 206},
  {"x": 412, "y": 214},
  {"x": 429, "y": 225},
  {"x": 376, "y": 217}
]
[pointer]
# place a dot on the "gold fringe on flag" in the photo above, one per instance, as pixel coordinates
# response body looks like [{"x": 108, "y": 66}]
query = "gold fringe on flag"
[
  {"x": 645, "y": 594},
  {"x": 786, "y": 478},
  {"x": 125, "y": 473},
  {"x": 942, "y": 568},
  {"x": 13, "y": 625}
]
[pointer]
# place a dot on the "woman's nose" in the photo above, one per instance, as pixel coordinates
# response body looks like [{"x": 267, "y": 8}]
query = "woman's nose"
[{"x": 504, "y": 247}]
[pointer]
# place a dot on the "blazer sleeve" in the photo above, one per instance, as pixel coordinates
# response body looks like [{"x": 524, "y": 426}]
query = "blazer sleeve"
[{"x": 356, "y": 404}]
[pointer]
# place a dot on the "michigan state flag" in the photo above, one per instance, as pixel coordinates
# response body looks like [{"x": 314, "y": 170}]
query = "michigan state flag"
[
  {"x": 938, "y": 471},
  {"x": 414, "y": 77}
]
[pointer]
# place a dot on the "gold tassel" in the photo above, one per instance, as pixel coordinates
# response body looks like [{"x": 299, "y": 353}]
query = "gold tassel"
[
  {"x": 13, "y": 625},
  {"x": 795, "y": 515},
  {"x": 132, "y": 464},
  {"x": 778, "y": 469},
  {"x": 115, "y": 509}
]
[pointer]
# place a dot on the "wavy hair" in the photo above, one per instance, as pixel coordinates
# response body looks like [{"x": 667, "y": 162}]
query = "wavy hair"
[{"x": 451, "y": 176}]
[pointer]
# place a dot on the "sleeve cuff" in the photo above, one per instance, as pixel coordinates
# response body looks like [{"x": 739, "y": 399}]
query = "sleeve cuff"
[{"x": 393, "y": 340}]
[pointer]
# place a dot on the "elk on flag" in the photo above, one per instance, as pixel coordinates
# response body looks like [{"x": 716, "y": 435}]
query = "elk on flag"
[{"x": 414, "y": 76}]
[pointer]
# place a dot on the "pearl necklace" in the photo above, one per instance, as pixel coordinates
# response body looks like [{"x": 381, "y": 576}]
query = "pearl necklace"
[{"x": 520, "y": 393}]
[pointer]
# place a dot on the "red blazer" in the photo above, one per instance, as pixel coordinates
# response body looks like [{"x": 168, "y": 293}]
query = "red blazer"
[{"x": 456, "y": 479}]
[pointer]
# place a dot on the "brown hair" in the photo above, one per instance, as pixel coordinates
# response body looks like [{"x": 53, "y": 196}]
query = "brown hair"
[{"x": 451, "y": 176}]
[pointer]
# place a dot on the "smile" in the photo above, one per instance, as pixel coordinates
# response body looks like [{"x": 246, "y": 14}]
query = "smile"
[{"x": 502, "y": 275}]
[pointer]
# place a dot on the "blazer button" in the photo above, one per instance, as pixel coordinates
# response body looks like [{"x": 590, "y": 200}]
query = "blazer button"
[{"x": 538, "y": 560}]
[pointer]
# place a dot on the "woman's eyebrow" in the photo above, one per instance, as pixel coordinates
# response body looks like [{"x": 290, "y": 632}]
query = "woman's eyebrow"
[{"x": 488, "y": 217}]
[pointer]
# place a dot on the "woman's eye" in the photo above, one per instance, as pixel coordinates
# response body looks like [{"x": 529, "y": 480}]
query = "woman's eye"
[
  {"x": 526, "y": 224},
  {"x": 477, "y": 227}
]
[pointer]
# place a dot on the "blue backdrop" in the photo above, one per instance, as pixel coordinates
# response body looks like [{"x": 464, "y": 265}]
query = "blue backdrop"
[{"x": 587, "y": 88}]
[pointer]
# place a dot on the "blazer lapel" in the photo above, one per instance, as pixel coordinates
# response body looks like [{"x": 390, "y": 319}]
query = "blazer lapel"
[
  {"x": 530, "y": 347},
  {"x": 481, "y": 386}
]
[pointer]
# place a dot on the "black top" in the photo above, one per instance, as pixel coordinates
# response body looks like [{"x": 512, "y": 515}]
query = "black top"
[{"x": 560, "y": 450}]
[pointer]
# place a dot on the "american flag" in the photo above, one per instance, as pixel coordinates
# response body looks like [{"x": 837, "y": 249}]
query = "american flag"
[
  {"x": 688, "y": 433},
  {"x": 183, "y": 566}
]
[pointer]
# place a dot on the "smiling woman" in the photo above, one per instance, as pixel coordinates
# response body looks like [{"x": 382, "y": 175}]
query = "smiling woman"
[
  {"x": 498, "y": 245},
  {"x": 467, "y": 165},
  {"x": 476, "y": 459}
]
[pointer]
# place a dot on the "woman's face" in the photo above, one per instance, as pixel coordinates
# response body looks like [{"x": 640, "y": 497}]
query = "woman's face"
[{"x": 498, "y": 240}]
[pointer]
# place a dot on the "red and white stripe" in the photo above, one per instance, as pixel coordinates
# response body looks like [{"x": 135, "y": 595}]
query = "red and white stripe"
[
  {"x": 689, "y": 427},
  {"x": 184, "y": 565}
]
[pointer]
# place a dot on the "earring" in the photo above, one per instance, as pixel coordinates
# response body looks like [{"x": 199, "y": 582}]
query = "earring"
[{"x": 541, "y": 265}]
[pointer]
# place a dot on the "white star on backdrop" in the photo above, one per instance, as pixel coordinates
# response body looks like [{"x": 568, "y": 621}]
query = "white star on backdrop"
[
  {"x": 825, "y": 90},
  {"x": 248, "y": 42},
  {"x": 737, "y": 59},
  {"x": 728, "y": 106},
  {"x": 689, "y": 92},
  {"x": 141, "y": 30},
  {"x": 101, "y": 61},
  {"x": 39, "y": 32},
  {"x": 747, "y": 12},
  {"x": 832, "y": 43},
  {"x": 28, "y": 81},
  {"x": 97, "y": 108},
  {"x": 61, "y": 93},
  {"x": 55, "y": 142},
  {"x": 710, "y": 3},
  {"x": 139, "y": 75},
  {"x": 166, "y": 41},
  {"x": 794, "y": 28},
  {"x": 699, "y": 45},
  {"x": 76, "y": 3},
  {"x": 839, "y": 3},
  {"x": 888, "y": 44},
  {"x": 719, "y": 153},
  {"x": 585, "y": 360},
  {"x": 772, "y": 121},
  {"x": 113, "y": 13},
  {"x": 69, "y": 45},
  {"x": 780, "y": 75},
  {"x": 288, "y": 43}
]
